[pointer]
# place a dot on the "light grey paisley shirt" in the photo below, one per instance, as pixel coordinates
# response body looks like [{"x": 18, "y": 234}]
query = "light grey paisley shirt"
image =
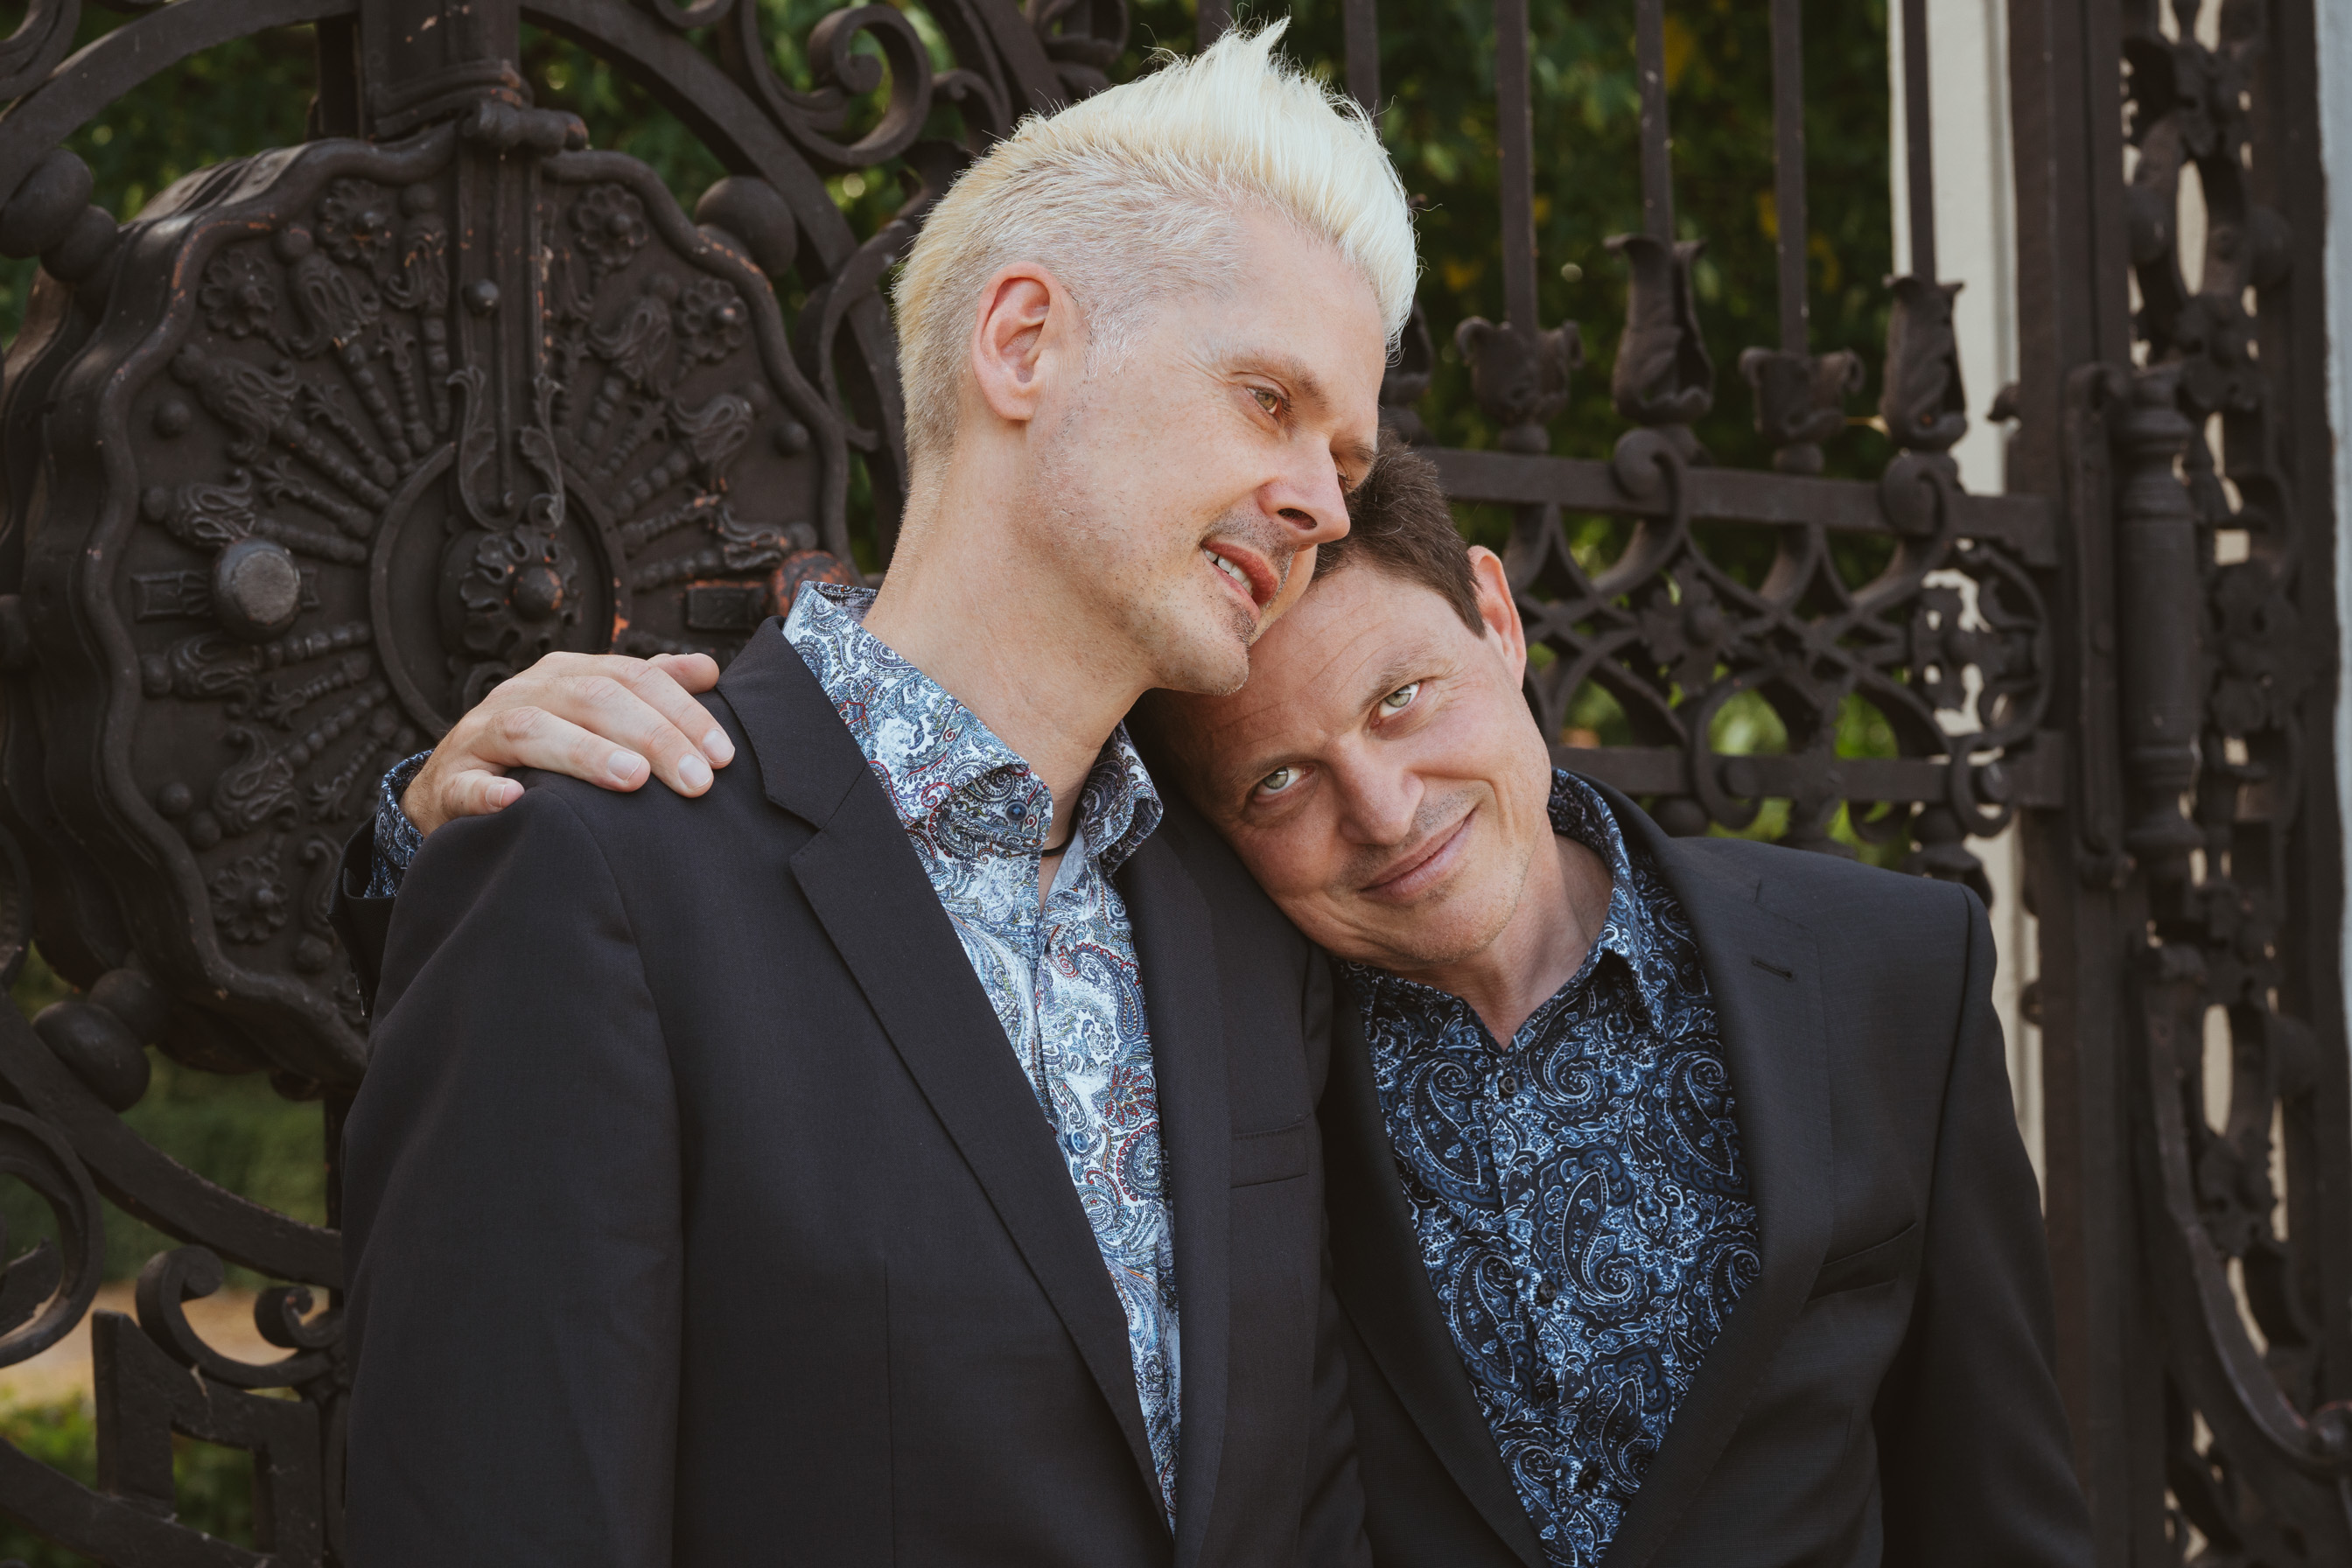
[{"x": 1062, "y": 978}]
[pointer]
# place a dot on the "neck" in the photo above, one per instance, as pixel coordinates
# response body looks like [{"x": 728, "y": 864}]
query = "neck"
[
  {"x": 1003, "y": 634},
  {"x": 1540, "y": 947}
]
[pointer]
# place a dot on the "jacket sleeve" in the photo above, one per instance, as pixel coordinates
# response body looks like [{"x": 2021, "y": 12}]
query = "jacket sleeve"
[
  {"x": 511, "y": 1217},
  {"x": 1976, "y": 1461},
  {"x": 1332, "y": 1532}
]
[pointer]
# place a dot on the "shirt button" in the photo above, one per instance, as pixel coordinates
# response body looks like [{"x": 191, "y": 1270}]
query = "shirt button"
[
  {"x": 1546, "y": 1293},
  {"x": 1510, "y": 1087},
  {"x": 1016, "y": 811}
]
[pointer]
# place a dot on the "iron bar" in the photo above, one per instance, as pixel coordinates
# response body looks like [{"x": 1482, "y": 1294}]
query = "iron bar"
[
  {"x": 1216, "y": 16},
  {"x": 1360, "y": 20},
  {"x": 2024, "y": 524},
  {"x": 1789, "y": 168},
  {"x": 2034, "y": 778},
  {"x": 1918, "y": 140},
  {"x": 1657, "y": 143},
  {"x": 1515, "y": 131}
]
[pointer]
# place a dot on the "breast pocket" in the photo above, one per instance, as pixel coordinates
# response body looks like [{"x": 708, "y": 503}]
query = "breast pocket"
[
  {"x": 1873, "y": 1264},
  {"x": 1274, "y": 1156}
]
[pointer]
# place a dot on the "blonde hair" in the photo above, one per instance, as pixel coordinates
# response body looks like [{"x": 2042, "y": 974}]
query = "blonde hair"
[{"x": 1137, "y": 188}]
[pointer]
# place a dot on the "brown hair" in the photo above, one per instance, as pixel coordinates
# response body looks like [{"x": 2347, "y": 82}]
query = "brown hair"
[{"x": 1398, "y": 522}]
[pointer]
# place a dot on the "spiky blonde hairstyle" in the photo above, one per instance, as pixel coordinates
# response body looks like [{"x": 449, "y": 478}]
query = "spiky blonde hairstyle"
[{"x": 1138, "y": 192}]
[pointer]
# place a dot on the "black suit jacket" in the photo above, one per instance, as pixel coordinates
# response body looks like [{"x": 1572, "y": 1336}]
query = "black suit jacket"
[
  {"x": 1882, "y": 1393},
  {"x": 699, "y": 1212}
]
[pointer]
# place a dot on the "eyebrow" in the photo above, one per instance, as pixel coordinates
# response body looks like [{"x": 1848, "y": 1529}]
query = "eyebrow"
[{"x": 1303, "y": 381}]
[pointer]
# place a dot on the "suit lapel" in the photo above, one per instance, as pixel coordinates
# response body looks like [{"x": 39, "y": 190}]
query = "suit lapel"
[
  {"x": 1377, "y": 1272},
  {"x": 1175, "y": 950},
  {"x": 1764, "y": 975},
  {"x": 863, "y": 880}
]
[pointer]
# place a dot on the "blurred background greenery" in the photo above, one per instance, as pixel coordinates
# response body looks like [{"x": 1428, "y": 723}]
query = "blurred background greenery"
[{"x": 1438, "y": 118}]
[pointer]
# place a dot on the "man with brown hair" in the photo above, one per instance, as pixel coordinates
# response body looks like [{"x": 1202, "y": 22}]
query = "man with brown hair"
[{"x": 1652, "y": 1248}]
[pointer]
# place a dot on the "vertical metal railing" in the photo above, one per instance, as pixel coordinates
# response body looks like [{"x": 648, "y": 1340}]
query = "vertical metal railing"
[{"x": 1789, "y": 173}]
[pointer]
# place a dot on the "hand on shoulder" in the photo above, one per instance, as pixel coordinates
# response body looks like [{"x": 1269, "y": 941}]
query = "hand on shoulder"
[{"x": 608, "y": 720}]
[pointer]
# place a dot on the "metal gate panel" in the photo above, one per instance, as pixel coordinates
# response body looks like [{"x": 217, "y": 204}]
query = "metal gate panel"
[{"x": 305, "y": 455}]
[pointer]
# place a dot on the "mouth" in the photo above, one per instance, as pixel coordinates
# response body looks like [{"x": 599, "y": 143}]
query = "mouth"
[
  {"x": 1422, "y": 866},
  {"x": 1245, "y": 571}
]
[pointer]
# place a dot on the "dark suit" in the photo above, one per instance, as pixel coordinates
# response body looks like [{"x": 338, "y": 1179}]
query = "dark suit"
[
  {"x": 1882, "y": 1391},
  {"x": 699, "y": 1210}
]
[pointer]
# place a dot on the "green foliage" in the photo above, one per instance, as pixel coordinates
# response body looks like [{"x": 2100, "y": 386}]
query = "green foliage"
[
  {"x": 213, "y": 1485},
  {"x": 1437, "y": 86}
]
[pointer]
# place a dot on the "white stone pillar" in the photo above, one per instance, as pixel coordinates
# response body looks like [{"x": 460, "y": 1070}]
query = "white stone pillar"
[{"x": 1975, "y": 244}]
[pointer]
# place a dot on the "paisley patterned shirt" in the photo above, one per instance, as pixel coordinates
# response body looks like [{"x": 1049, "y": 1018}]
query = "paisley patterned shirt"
[
  {"x": 1063, "y": 979},
  {"x": 1578, "y": 1194}
]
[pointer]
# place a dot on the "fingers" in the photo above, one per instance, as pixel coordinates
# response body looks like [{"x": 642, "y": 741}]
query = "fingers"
[
  {"x": 621, "y": 736},
  {"x": 694, "y": 671},
  {"x": 476, "y": 793},
  {"x": 588, "y": 690},
  {"x": 667, "y": 685},
  {"x": 612, "y": 721}
]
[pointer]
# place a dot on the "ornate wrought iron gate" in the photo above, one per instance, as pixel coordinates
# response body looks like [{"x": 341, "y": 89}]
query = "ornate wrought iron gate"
[{"x": 305, "y": 455}]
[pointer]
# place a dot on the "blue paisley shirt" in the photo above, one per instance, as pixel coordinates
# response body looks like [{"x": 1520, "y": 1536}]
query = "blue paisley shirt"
[
  {"x": 1063, "y": 978},
  {"x": 1578, "y": 1194}
]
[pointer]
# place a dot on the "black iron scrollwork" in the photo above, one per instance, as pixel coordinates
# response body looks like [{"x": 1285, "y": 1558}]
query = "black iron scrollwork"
[
  {"x": 1946, "y": 641},
  {"x": 303, "y": 459},
  {"x": 2227, "y": 1126}
]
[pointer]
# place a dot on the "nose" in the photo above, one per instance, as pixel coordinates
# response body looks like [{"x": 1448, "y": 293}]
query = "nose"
[
  {"x": 1380, "y": 797},
  {"x": 1306, "y": 496}
]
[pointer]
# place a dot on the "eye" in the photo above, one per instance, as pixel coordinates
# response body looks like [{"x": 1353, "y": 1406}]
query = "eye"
[
  {"x": 1278, "y": 780},
  {"x": 1267, "y": 398},
  {"x": 1399, "y": 700}
]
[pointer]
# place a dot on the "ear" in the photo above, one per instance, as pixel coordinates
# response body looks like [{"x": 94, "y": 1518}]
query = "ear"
[
  {"x": 1499, "y": 609},
  {"x": 1027, "y": 325}
]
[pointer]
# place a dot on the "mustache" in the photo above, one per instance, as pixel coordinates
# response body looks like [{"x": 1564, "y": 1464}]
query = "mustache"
[
  {"x": 1276, "y": 542},
  {"x": 1431, "y": 822}
]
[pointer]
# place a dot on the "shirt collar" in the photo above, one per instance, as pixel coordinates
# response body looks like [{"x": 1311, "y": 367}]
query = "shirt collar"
[
  {"x": 1630, "y": 929},
  {"x": 951, "y": 782}
]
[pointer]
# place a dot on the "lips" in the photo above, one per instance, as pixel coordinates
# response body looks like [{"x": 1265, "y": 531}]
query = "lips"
[
  {"x": 1424, "y": 864},
  {"x": 1247, "y": 572}
]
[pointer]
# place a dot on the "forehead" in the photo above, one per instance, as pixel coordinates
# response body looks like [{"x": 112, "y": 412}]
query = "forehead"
[{"x": 1293, "y": 296}]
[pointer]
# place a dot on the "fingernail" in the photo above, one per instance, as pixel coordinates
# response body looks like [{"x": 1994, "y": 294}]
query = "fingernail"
[
  {"x": 625, "y": 766},
  {"x": 695, "y": 773},
  {"x": 718, "y": 748}
]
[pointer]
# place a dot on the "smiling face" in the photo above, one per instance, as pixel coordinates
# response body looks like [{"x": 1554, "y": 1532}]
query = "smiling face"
[
  {"x": 1191, "y": 468},
  {"x": 1380, "y": 775}
]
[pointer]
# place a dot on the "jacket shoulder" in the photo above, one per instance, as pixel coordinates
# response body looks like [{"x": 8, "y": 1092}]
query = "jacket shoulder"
[{"x": 1844, "y": 900}]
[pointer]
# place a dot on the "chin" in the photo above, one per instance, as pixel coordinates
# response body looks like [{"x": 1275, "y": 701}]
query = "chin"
[
  {"x": 1430, "y": 939},
  {"x": 1209, "y": 657}
]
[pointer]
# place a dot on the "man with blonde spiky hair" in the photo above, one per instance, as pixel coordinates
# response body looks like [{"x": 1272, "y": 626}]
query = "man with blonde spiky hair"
[{"x": 904, "y": 1152}]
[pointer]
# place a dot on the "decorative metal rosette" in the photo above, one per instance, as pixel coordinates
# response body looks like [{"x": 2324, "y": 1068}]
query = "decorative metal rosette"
[{"x": 364, "y": 431}]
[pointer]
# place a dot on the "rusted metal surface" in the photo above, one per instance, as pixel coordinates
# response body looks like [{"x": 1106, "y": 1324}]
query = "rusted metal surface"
[{"x": 304, "y": 457}]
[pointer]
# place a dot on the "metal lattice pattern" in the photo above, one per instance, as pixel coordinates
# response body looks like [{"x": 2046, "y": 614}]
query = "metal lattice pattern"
[
  {"x": 307, "y": 455},
  {"x": 2237, "y": 1226},
  {"x": 1948, "y": 641}
]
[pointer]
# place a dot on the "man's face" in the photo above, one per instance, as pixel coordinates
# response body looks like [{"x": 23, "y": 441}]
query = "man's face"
[
  {"x": 1380, "y": 775},
  {"x": 1189, "y": 475}
]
